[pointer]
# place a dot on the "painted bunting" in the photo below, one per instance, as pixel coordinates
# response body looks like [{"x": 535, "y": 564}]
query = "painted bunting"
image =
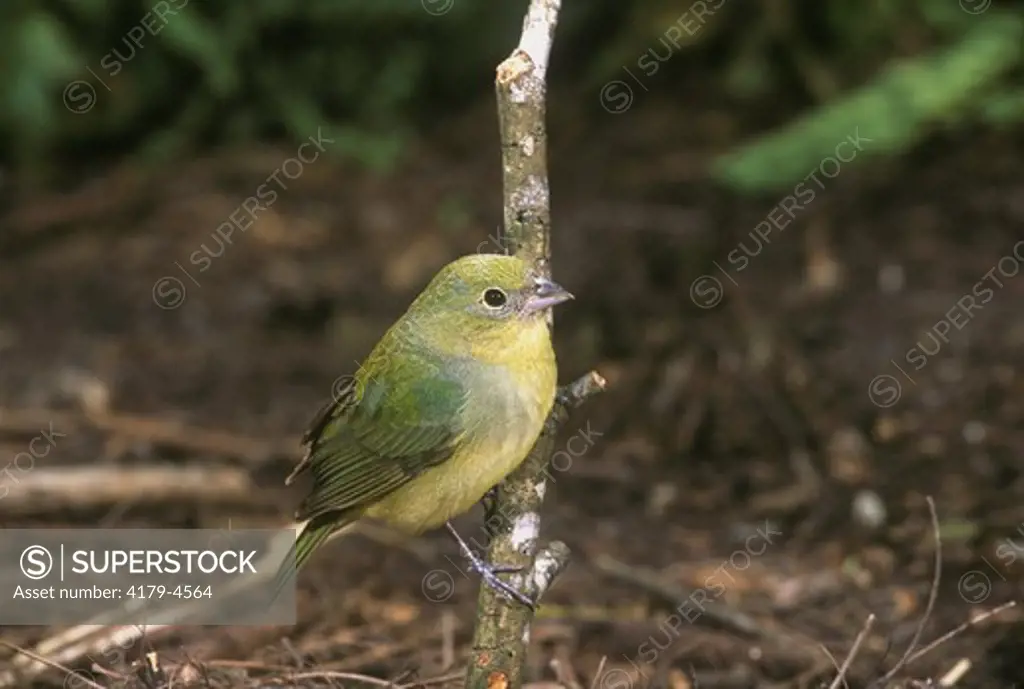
[{"x": 446, "y": 405}]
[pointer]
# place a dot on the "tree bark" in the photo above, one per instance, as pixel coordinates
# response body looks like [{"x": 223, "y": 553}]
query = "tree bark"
[{"x": 501, "y": 638}]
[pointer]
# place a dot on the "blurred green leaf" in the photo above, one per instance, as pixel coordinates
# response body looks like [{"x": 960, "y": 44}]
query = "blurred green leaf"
[
  {"x": 194, "y": 37},
  {"x": 893, "y": 110},
  {"x": 212, "y": 72}
]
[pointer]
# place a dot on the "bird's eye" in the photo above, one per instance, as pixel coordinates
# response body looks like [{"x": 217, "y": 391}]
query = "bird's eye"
[{"x": 495, "y": 298}]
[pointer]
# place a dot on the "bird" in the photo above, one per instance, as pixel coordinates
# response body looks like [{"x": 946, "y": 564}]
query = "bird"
[{"x": 446, "y": 405}]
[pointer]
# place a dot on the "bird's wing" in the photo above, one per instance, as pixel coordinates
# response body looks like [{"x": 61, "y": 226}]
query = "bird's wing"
[{"x": 375, "y": 437}]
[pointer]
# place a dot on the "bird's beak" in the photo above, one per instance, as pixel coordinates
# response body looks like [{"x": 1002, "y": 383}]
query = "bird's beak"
[{"x": 546, "y": 294}]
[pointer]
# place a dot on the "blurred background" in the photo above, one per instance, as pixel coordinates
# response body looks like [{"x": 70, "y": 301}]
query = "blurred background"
[{"x": 793, "y": 230}]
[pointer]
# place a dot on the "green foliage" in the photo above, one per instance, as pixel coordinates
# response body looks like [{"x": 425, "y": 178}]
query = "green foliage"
[
  {"x": 95, "y": 79},
  {"x": 164, "y": 76},
  {"x": 895, "y": 109},
  {"x": 891, "y": 71}
]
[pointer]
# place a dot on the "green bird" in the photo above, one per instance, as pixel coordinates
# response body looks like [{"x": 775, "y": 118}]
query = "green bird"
[{"x": 446, "y": 405}]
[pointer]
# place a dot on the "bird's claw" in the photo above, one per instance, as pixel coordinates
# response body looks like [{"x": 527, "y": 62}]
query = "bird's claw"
[{"x": 489, "y": 573}]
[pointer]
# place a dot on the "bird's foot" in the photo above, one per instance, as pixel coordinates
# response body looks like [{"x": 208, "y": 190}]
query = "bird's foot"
[{"x": 489, "y": 573}]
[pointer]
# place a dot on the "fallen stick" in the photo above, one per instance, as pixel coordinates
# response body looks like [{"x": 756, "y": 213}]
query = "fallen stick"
[
  {"x": 85, "y": 487},
  {"x": 840, "y": 678},
  {"x": 153, "y": 430}
]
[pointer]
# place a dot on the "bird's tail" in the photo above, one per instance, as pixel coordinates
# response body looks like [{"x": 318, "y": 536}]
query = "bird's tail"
[{"x": 314, "y": 534}]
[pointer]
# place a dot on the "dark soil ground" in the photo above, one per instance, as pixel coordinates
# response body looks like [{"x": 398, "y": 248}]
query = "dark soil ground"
[{"x": 775, "y": 450}]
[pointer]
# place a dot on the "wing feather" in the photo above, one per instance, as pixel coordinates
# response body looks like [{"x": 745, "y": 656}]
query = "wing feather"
[{"x": 374, "y": 438}]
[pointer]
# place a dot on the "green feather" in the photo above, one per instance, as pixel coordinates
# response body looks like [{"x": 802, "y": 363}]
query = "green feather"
[
  {"x": 448, "y": 402},
  {"x": 313, "y": 535},
  {"x": 375, "y": 438}
]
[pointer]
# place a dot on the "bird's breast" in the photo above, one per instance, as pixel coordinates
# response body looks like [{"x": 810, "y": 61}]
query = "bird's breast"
[{"x": 502, "y": 418}]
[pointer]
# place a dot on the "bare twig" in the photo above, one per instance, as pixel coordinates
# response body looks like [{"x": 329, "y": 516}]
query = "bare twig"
[
  {"x": 932, "y": 595},
  {"x": 857, "y": 643},
  {"x": 955, "y": 673},
  {"x": 502, "y": 630},
  {"x": 91, "y": 487},
  {"x": 153, "y": 430},
  {"x": 350, "y": 676},
  {"x": 549, "y": 563},
  {"x": 47, "y": 663},
  {"x": 447, "y": 639},
  {"x": 597, "y": 673},
  {"x": 70, "y": 647},
  {"x": 911, "y": 654},
  {"x": 521, "y": 91},
  {"x": 961, "y": 628}
]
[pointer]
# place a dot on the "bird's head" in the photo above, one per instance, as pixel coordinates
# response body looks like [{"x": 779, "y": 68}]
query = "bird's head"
[{"x": 486, "y": 301}]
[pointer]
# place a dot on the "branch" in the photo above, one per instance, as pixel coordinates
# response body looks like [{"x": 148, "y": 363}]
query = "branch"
[
  {"x": 960, "y": 628},
  {"x": 933, "y": 594},
  {"x": 503, "y": 627},
  {"x": 156, "y": 431},
  {"x": 92, "y": 487},
  {"x": 840, "y": 678},
  {"x": 520, "y": 86}
]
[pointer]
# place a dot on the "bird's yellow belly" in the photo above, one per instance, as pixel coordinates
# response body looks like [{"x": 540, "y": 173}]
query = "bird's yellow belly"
[{"x": 448, "y": 490}]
